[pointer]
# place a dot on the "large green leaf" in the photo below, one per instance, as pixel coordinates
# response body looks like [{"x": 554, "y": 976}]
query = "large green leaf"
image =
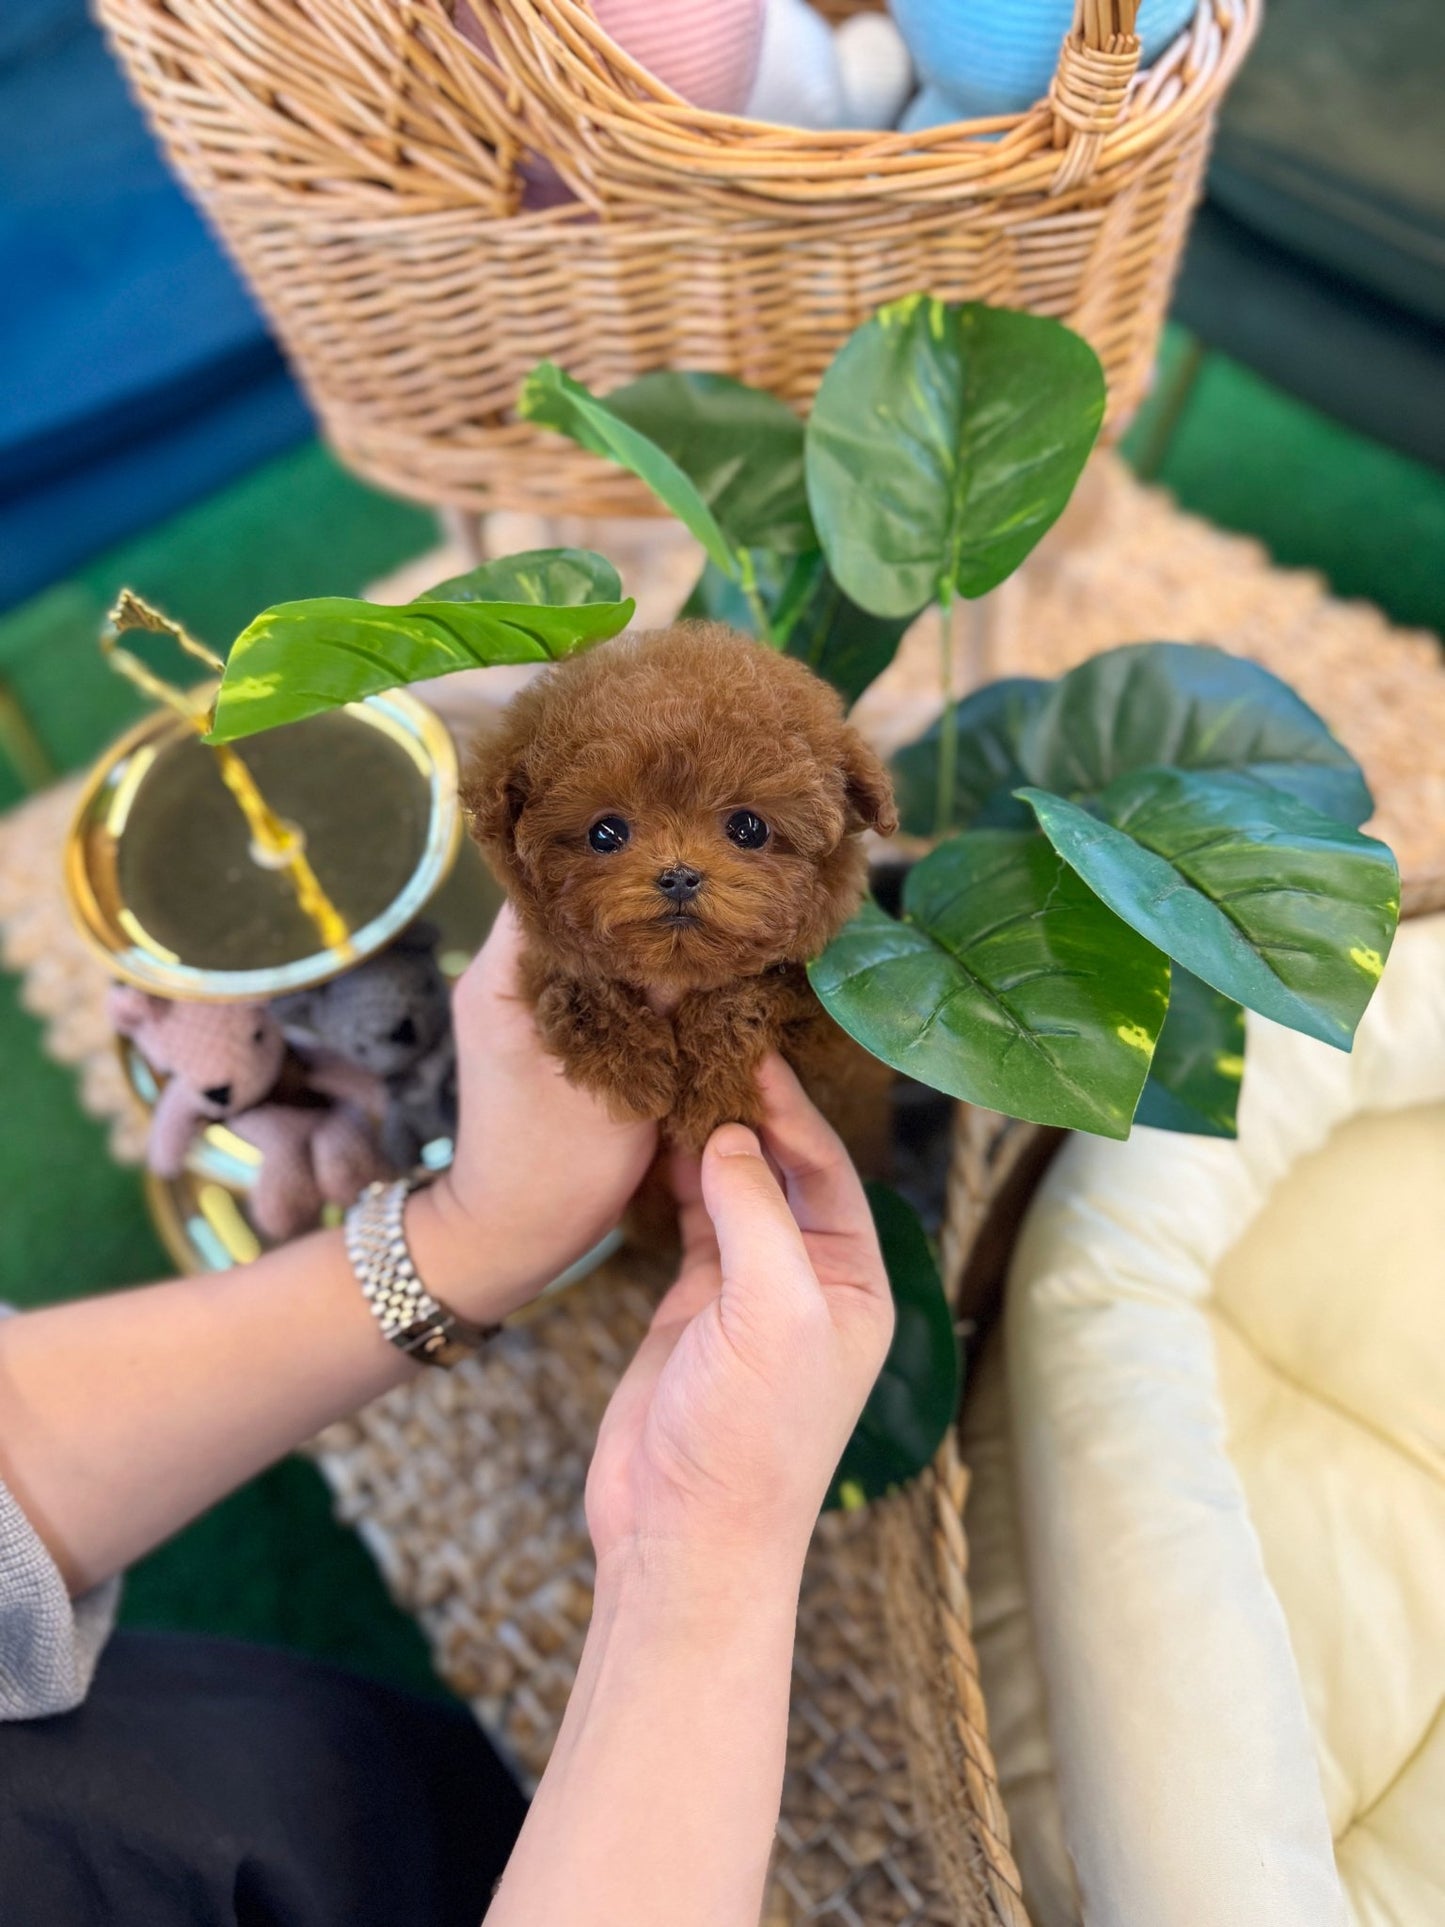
[
  {"x": 943, "y": 442},
  {"x": 300, "y": 658},
  {"x": 808, "y": 616},
  {"x": 1285, "y": 910},
  {"x": 550, "y": 578},
  {"x": 1198, "y": 1062},
  {"x": 722, "y": 598},
  {"x": 718, "y": 598},
  {"x": 1185, "y": 706},
  {"x": 553, "y": 400},
  {"x": 846, "y": 645},
  {"x": 987, "y": 771},
  {"x": 741, "y": 448},
  {"x": 915, "y": 1398},
  {"x": 1007, "y": 983}
]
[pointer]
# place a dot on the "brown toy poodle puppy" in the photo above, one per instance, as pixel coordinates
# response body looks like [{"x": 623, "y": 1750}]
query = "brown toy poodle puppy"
[{"x": 676, "y": 817}]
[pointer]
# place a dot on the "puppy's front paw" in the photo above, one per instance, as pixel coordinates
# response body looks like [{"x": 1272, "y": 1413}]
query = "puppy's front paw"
[{"x": 611, "y": 1045}]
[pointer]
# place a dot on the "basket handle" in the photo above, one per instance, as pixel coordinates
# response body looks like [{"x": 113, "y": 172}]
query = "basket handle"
[{"x": 1097, "y": 62}]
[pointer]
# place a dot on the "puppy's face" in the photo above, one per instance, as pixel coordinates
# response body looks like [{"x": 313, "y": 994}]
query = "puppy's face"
[{"x": 680, "y": 809}]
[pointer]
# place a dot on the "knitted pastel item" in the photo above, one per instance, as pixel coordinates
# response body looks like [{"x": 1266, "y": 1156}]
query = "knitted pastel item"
[
  {"x": 227, "y": 1063},
  {"x": 705, "y": 50},
  {"x": 984, "y": 59}
]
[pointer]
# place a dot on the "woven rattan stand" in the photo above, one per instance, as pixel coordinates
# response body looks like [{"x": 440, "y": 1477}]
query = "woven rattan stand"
[
  {"x": 363, "y": 162},
  {"x": 468, "y": 1489}
]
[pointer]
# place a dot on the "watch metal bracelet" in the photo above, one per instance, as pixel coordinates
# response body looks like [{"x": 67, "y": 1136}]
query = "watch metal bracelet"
[{"x": 409, "y": 1316}]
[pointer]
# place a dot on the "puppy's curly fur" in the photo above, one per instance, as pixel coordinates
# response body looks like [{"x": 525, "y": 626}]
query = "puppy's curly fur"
[{"x": 666, "y": 1005}]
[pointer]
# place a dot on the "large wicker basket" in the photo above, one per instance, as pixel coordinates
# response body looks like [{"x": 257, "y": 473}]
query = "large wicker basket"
[
  {"x": 363, "y": 161},
  {"x": 995, "y": 1168}
]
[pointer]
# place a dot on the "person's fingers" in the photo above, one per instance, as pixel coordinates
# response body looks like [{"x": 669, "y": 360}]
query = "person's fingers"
[
  {"x": 823, "y": 1188},
  {"x": 761, "y": 1248},
  {"x": 699, "y": 1241},
  {"x": 485, "y": 999},
  {"x": 498, "y": 957},
  {"x": 693, "y": 1288},
  {"x": 684, "y": 1178}
]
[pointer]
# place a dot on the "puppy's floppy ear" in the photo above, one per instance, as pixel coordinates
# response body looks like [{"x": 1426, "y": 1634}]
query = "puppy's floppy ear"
[
  {"x": 495, "y": 793},
  {"x": 867, "y": 785}
]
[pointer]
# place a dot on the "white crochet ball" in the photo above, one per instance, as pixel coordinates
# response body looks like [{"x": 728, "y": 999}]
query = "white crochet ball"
[
  {"x": 797, "y": 82},
  {"x": 875, "y": 68}
]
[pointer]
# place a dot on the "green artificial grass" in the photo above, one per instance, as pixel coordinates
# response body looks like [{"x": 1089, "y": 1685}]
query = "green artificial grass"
[
  {"x": 271, "y": 1563},
  {"x": 74, "y": 1221},
  {"x": 1318, "y": 495}
]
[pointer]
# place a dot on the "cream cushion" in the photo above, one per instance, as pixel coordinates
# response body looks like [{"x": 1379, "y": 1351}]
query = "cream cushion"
[{"x": 1214, "y": 1441}]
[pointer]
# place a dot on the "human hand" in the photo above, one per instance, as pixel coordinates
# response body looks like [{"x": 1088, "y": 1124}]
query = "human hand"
[
  {"x": 542, "y": 1170},
  {"x": 729, "y": 1423}
]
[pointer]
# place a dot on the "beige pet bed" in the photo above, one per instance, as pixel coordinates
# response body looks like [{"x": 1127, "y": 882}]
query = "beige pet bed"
[{"x": 1207, "y": 1519}]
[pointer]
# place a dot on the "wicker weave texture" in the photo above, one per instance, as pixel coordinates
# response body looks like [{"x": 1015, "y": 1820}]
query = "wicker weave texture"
[{"x": 363, "y": 161}]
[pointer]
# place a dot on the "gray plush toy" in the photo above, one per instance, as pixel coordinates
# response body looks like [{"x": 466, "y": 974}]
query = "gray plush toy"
[{"x": 389, "y": 1017}]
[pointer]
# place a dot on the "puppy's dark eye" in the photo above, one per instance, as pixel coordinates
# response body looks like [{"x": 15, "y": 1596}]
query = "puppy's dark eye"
[
  {"x": 258, "y": 1035},
  {"x": 747, "y": 830},
  {"x": 608, "y": 834},
  {"x": 402, "y": 1033}
]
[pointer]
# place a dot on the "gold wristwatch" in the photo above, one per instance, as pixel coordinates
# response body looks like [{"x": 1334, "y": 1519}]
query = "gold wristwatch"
[{"x": 409, "y": 1316}]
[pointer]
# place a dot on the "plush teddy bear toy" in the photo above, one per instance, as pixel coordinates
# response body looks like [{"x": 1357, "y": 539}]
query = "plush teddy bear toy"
[
  {"x": 390, "y": 1019},
  {"x": 229, "y": 1063}
]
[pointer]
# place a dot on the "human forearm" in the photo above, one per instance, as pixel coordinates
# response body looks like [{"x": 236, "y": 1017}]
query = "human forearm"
[
  {"x": 661, "y": 1797},
  {"x": 123, "y": 1416}
]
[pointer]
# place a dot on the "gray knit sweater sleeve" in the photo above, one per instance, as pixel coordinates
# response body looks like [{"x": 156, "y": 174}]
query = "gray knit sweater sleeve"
[{"x": 49, "y": 1643}]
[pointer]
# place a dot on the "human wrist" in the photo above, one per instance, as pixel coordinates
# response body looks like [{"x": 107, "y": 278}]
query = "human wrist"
[
  {"x": 700, "y": 1585},
  {"x": 451, "y": 1255},
  {"x": 678, "y": 1626}
]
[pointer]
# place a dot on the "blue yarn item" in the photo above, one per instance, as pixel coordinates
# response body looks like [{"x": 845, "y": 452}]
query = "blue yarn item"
[{"x": 988, "y": 58}]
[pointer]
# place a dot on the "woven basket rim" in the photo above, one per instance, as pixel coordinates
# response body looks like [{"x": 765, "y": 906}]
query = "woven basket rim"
[{"x": 657, "y": 131}]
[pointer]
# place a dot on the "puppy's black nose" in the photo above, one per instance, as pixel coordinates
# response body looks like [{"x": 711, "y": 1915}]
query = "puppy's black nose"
[
  {"x": 679, "y": 883},
  {"x": 219, "y": 1095}
]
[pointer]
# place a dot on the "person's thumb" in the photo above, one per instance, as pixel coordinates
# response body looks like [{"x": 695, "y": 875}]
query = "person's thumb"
[{"x": 763, "y": 1256}]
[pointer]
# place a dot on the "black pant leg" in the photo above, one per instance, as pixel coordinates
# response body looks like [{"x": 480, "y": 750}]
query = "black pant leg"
[{"x": 206, "y": 1783}]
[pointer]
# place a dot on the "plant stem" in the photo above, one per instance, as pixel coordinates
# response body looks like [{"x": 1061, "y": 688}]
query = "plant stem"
[
  {"x": 948, "y": 722},
  {"x": 748, "y": 583}
]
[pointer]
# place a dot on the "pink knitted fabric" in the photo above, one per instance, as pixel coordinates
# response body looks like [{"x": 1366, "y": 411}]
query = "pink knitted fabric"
[{"x": 705, "y": 50}]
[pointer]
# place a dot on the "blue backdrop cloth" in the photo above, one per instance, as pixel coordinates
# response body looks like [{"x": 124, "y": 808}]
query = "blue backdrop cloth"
[{"x": 138, "y": 375}]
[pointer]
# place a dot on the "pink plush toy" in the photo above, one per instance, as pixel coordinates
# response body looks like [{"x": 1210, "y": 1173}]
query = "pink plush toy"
[
  {"x": 228, "y": 1063},
  {"x": 705, "y": 50}
]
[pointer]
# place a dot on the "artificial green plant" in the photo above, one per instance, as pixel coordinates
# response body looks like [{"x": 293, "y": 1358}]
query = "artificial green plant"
[
  {"x": 1127, "y": 857},
  {"x": 1123, "y": 859}
]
